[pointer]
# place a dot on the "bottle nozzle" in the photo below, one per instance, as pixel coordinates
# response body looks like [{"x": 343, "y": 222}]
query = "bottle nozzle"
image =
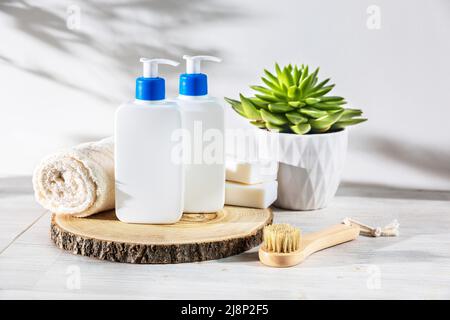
[
  {"x": 151, "y": 66},
  {"x": 150, "y": 86},
  {"x": 193, "y": 62}
]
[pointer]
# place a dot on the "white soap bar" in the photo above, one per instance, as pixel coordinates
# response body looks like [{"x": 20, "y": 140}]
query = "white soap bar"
[
  {"x": 251, "y": 172},
  {"x": 260, "y": 195}
]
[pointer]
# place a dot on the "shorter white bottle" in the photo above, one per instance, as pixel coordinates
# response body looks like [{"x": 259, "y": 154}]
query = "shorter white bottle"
[
  {"x": 203, "y": 121},
  {"x": 149, "y": 183}
]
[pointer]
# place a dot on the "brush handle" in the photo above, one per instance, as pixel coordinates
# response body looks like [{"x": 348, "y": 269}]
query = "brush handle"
[{"x": 328, "y": 237}]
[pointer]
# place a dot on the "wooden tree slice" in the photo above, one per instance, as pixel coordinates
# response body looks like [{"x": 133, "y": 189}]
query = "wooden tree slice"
[{"x": 197, "y": 237}]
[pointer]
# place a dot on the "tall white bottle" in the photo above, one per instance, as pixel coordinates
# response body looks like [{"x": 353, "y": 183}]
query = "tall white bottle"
[
  {"x": 203, "y": 122},
  {"x": 149, "y": 183}
]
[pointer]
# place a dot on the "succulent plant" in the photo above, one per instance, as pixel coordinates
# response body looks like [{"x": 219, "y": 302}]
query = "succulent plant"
[{"x": 294, "y": 101}]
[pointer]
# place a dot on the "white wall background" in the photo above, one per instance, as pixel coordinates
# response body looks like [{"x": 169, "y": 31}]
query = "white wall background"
[{"x": 60, "y": 87}]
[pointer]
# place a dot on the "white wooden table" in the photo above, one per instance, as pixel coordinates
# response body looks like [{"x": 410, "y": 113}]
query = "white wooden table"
[{"x": 414, "y": 265}]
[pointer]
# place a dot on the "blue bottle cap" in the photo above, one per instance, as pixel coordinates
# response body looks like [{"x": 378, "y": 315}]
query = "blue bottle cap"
[
  {"x": 150, "y": 86},
  {"x": 193, "y": 82}
]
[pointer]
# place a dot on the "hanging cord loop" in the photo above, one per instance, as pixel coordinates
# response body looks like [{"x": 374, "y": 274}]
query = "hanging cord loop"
[{"x": 391, "y": 230}]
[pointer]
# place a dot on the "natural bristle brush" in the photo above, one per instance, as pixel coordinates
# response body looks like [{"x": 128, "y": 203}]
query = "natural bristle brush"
[{"x": 284, "y": 246}]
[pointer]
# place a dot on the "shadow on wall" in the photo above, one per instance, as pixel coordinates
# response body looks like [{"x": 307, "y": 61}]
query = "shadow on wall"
[
  {"x": 116, "y": 31},
  {"x": 435, "y": 162}
]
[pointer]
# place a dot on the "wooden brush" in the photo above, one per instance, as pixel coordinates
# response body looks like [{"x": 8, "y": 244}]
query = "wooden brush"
[{"x": 284, "y": 246}]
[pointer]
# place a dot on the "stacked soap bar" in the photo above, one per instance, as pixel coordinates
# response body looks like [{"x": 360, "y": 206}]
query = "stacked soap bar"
[{"x": 251, "y": 183}]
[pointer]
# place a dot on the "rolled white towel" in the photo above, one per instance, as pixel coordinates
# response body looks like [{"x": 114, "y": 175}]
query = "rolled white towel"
[{"x": 77, "y": 181}]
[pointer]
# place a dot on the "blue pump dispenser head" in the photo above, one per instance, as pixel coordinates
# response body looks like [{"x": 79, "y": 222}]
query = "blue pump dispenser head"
[
  {"x": 193, "y": 82},
  {"x": 150, "y": 86}
]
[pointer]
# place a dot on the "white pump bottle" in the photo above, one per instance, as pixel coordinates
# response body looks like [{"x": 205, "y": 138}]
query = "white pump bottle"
[
  {"x": 149, "y": 182},
  {"x": 203, "y": 123}
]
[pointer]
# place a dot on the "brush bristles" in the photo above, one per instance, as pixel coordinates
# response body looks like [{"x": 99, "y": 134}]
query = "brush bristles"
[{"x": 281, "y": 238}]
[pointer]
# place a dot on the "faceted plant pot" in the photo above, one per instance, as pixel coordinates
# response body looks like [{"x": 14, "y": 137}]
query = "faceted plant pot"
[{"x": 310, "y": 168}]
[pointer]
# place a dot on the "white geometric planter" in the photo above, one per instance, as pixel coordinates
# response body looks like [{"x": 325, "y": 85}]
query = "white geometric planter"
[{"x": 310, "y": 168}]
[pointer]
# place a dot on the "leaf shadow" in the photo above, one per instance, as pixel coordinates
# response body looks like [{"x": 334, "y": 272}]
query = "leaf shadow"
[{"x": 121, "y": 32}]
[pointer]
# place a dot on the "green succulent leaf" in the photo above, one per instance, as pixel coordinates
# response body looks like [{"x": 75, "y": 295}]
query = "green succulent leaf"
[
  {"x": 271, "y": 77},
  {"x": 321, "y": 92},
  {"x": 269, "y": 99},
  {"x": 313, "y": 112},
  {"x": 305, "y": 84},
  {"x": 259, "y": 103},
  {"x": 280, "y": 107},
  {"x": 262, "y": 89},
  {"x": 311, "y": 101},
  {"x": 236, "y": 105},
  {"x": 281, "y": 96},
  {"x": 274, "y": 127},
  {"x": 296, "y": 75},
  {"x": 304, "y": 74},
  {"x": 283, "y": 80},
  {"x": 345, "y": 123},
  {"x": 314, "y": 76},
  {"x": 294, "y": 104},
  {"x": 271, "y": 85},
  {"x": 321, "y": 84},
  {"x": 301, "y": 128},
  {"x": 259, "y": 124},
  {"x": 333, "y": 103},
  {"x": 278, "y": 71},
  {"x": 292, "y": 91},
  {"x": 232, "y": 101},
  {"x": 296, "y": 118},
  {"x": 288, "y": 76},
  {"x": 326, "y": 121},
  {"x": 273, "y": 118},
  {"x": 250, "y": 111},
  {"x": 350, "y": 113},
  {"x": 327, "y": 106},
  {"x": 322, "y": 130},
  {"x": 342, "y": 102},
  {"x": 331, "y": 99}
]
